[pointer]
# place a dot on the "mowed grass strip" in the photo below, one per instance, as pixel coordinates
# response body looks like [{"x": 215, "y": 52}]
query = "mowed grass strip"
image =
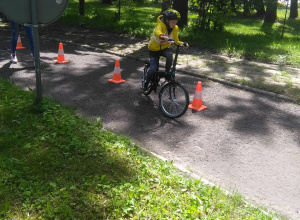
[{"x": 56, "y": 165}]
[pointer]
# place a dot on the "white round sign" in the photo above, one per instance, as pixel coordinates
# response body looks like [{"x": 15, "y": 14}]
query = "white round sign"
[{"x": 19, "y": 11}]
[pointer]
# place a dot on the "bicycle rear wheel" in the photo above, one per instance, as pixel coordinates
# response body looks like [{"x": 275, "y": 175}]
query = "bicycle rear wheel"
[{"x": 173, "y": 100}]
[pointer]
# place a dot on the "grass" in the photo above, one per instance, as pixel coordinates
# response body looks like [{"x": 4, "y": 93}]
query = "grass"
[
  {"x": 56, "y": 165},
  {"x": 245, "y": 37},
  {"x": 250, "y": 38},
  {"x": 134, "y": 21}
]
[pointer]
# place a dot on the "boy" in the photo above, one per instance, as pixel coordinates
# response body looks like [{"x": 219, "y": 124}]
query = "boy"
[{"x": 166, "y": 28}]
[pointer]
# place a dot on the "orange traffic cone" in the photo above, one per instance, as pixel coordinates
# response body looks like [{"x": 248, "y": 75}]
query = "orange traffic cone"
[
  {"x": 61, "y": 56},
  {"x": 197, "y": 101},
  {"x": 117, "y": 74},
  {"x": 19, "y": 43}
]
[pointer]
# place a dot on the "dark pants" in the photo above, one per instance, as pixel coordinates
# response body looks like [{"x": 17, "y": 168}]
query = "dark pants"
[
  {"x": 154, "y": 61},
  {"x": 15, "y": 31}
]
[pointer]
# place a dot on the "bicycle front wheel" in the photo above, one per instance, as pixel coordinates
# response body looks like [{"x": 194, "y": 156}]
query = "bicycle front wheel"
[
  {"x": 144, "y": 78},
  {"x": 149, "y": 88},
  {"x": 173, "y": 100}
]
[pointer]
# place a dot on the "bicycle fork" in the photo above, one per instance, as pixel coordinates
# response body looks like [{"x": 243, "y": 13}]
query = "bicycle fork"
[{"x": 172, "y": 93}]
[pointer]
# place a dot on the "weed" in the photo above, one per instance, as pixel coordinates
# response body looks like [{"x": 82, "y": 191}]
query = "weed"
[
  {"x": 259, "y": 68},
  {"x": 276, "y": 77}
]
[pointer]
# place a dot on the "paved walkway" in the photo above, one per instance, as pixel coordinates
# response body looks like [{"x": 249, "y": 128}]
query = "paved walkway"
[
  {"x": 245, "y": 142},
  {"x": 284, "y": 80}
]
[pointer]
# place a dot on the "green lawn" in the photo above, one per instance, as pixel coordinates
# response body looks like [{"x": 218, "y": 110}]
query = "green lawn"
[
  {"x": 55, "y": 165},
  {"x": 245, "y": 37}
]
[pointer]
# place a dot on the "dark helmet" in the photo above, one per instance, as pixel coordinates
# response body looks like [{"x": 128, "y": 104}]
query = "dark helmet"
[{"x": 171, "y": 14}]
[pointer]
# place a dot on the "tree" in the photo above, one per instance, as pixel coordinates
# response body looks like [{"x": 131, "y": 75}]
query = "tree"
[
  {"x": 107, "y": 2},
  {"x": 182, "y": 7},
  {"x": 211, "y": 14},
  {"x": 246, "y": 8},
  {"x": 232, "y": 5},
  {"x": 294, "y": 9},
  {"x": 166, "y": 4},
  {"x": 81, "y": 7},
  {"x": 259, "y": 7},
  {"x": 271, "y": 11}
]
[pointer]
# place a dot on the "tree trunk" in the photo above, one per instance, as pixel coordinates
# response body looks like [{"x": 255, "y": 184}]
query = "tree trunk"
[
  {"x": 182, "y": 7},
  {"x": 294, "y": 9},
  {"x": 232, "y": 5},
  {"x": 107, "y": 2},
  {"x": 260, "y": 8},
  {"x": 81, "y": 7},
  {"x": 271, "y": 11},
  {"x": 166, "y": 4},
  {"x": 246, "y": 10}
]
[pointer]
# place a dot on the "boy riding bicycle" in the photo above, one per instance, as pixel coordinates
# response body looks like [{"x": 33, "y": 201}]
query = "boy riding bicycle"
[{"x": 166, "y": 29}]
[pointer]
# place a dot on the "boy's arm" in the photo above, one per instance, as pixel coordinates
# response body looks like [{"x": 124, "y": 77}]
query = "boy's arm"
[
  {"x": 158, "y": 32},
  {"x": 175, "y": 36}
]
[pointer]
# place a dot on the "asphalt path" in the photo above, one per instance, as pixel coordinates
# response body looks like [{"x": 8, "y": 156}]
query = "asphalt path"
[{"x": 244, "y": 142}]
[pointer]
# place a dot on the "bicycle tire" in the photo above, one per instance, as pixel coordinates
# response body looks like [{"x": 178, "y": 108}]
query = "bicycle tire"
[
  {"x": 149, "y": 89},
  {"x": 173, "y": 100},
  {"x": 144, "y": 75},
  {"x": 143, "y": 79}
]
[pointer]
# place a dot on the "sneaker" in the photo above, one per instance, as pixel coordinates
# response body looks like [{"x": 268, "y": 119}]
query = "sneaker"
[{"x": 13, "y": 59}]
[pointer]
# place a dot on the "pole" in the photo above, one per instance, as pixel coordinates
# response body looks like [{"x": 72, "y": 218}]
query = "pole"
[
  {"x": 119, "y": 9},
  {"x": 36, "y": 43},
  {"x": 287, "y": 2}
]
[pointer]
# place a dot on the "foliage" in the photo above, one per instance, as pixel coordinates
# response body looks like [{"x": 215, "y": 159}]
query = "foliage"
[
  {"x": 55, "y": 165},
  {"x": 242, "y": 37},
  {"x": 210, "y": 14},
  {"x": 135, "y": 19}
]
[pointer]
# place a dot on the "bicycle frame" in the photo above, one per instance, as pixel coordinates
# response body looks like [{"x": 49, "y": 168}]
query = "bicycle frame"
[
  {"x": 159, "y": 74},
  {"x": 175, "y": 59}
]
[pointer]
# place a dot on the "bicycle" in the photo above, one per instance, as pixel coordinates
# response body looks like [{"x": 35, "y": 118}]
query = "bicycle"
[{"x": 173, "y": 97}]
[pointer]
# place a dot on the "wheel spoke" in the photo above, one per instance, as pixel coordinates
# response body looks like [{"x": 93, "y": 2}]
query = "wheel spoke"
[
  {"x": 166, "y": 96},
  {"x": 173, "y": 100}
]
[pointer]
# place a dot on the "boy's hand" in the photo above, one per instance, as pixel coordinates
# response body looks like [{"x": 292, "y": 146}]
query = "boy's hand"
[
  {"x": 164, "y": 37},
  {"x": 185, "y": 45}
]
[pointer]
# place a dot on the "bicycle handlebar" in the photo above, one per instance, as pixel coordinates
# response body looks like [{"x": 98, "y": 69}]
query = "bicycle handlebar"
[{"x": 174, "y": 42}]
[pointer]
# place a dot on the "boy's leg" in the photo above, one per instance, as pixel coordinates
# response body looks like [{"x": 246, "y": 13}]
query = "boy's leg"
[
  {"x": 167, "y": 53},
  {"x": 154, "y": 59}
]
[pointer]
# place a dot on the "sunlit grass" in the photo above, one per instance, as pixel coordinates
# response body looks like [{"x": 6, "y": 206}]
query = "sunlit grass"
[
  {"x": 246, "y": 37},
  {"x": 138, "y": 21}
]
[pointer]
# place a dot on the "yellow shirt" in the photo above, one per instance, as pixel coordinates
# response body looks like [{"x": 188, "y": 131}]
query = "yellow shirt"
[{"x": 155, "y": 43}]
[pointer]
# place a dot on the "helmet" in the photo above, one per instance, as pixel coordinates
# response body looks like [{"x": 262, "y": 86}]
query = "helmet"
[{"x": 171, "y": 14}]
